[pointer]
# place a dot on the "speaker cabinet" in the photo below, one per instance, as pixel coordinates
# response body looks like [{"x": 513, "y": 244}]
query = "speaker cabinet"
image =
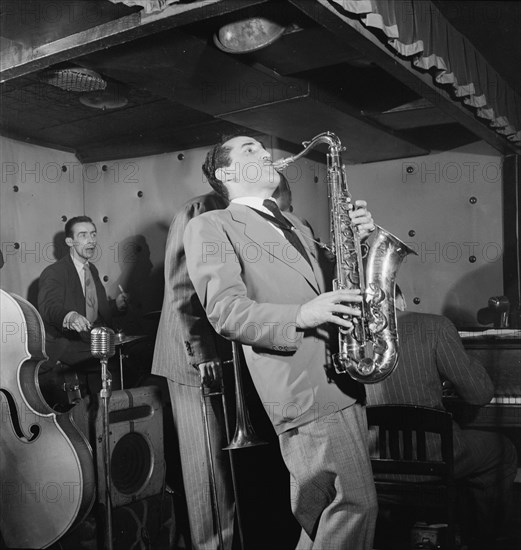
[{"x": 137, "y": 464}]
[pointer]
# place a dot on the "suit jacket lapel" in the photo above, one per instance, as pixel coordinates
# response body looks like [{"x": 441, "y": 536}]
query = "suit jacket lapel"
[
  {"x": 258, "y": 230},
  {"x": 312, "y": 252}
]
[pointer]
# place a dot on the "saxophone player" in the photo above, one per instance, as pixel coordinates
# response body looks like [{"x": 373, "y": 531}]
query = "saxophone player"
[{"x": 258, "y": 278}]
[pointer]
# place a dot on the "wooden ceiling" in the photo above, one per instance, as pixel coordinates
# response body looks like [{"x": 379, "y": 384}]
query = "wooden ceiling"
[{"x": 181, "y": 91}]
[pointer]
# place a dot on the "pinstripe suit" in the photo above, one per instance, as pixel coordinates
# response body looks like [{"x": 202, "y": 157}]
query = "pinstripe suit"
[
  {"x": 252, "y": 282},
  {"x": 431, "y": 351},
  {"x": 184, "y": 339}
]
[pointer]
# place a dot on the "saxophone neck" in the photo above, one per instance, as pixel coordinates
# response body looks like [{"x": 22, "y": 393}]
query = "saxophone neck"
[{"x": 332, "y": 140}]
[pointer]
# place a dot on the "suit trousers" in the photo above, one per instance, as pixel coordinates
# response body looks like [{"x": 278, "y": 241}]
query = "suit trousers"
[
  {"x": 332, "y": 489},
  {"x": 487, "y": 470},
  {"x": 188, "y": 423}
]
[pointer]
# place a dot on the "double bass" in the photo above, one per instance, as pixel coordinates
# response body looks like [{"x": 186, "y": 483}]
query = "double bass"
[{"x": 47, "y": 477}]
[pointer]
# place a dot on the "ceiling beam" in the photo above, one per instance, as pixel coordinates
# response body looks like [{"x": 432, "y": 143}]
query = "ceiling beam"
[
  {"x": 17, "y": 62},
  {"x": 207, "y": 80},
  {"x": 185, "y": 69},
  {"x": 353, "y": 34}
]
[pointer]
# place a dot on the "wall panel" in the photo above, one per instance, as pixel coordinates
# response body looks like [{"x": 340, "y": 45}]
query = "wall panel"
[
  {"x": 452, "y": 204},
  {"x": 132, "y": 202},
  {"x": 38, "y": 186}
]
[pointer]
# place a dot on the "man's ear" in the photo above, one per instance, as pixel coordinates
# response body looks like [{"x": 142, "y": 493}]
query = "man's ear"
[
  {"x": 220, "y": 174},
  {"x": 69, "y": 241}
]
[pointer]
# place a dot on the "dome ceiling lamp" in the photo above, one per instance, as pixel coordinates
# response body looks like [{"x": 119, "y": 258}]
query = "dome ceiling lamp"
[{"x": 248, "y": 35}]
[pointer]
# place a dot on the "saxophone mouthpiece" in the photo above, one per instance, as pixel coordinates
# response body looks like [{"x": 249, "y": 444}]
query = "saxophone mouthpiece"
[{"x": 281, "y": 164}]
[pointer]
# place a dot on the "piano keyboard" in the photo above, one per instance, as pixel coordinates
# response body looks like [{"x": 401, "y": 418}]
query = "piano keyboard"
[
  {"x": 506, "y": 400},
  {"x": 499, "y": 350},
  {"x": 508, "y": 333}
]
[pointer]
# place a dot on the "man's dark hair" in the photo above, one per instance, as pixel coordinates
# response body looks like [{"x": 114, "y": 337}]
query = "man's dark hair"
[
  {"x": 69, "y": 226},
  {"x": 218, "y": 157}
]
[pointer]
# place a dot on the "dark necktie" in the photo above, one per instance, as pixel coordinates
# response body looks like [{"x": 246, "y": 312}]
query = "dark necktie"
[
  {"x": 287, "y": 228},
  {"x": 91, "y": 298}
]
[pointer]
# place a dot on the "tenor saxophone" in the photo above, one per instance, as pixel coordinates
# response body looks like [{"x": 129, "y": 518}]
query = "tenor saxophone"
[{"x": 368, "y": 352}]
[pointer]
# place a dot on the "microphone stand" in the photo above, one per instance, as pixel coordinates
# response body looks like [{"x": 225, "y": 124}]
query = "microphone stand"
[
  {"x": 102, "y": 346},
  {"x": 105, "y": 393}
]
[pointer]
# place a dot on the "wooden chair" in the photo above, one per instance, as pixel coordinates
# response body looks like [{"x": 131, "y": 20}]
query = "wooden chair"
[{"x": 402, "y": 449}]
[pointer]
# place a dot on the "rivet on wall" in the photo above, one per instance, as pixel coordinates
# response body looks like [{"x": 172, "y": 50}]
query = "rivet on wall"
[
  {"x": 416, "y": 300},
  {"x": 180, "y": 156},
  {"x": 64, "y": 218},
  {"x": 315, "y": 179},
  {"x": 473, "y": 200},
  {"x": 472, "y": 259},
  {"x": 412, "y": 233},
  {"x": 105, "y": 278},
  {"x": 16, "y": 246},
  {"x": 64, "y": 168},
  {"x": 105, "y": 219},
  {"x": 104, "y": 168},
  {"x": 410, "y": 169},
  {"x": 140, "y": 194},
  {"x": 15, "y": 188}
]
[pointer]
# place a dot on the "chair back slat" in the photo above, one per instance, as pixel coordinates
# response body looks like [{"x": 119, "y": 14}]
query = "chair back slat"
[
  {"x": 408, "y": 448},
  {"x": 394, "y": 443},
  {"x": 382, "y": 442},
  {"x": 421, "y": 445}
]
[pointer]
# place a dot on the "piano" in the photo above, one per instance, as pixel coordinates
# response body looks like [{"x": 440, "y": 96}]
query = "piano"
[{"x": 499, "y": 350}]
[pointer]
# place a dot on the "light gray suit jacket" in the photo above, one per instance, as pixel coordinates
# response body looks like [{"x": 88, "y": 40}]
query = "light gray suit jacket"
[{"x": 251, "y": 282}]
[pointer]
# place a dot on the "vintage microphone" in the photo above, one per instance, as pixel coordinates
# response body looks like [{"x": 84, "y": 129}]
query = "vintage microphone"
[
  {"x": 501, "y": 306},
  {"x": 102, "y": 346}
]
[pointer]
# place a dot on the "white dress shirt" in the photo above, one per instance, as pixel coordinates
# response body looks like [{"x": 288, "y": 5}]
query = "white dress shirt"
[{"x": 256, "y": 202}]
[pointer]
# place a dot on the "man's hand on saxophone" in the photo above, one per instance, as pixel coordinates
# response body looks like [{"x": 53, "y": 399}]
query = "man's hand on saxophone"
[
  {"x": 330, "y": 307},
  {"x": 337, "y": 306},
  {"x": 362, "y": 219}
]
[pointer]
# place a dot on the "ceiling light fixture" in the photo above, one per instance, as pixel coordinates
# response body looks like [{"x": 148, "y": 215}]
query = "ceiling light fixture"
[
  {"x": 110, "y": 98},
  {"x": 248, "y": 35},
  {"x": 74, "y": 79}
]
